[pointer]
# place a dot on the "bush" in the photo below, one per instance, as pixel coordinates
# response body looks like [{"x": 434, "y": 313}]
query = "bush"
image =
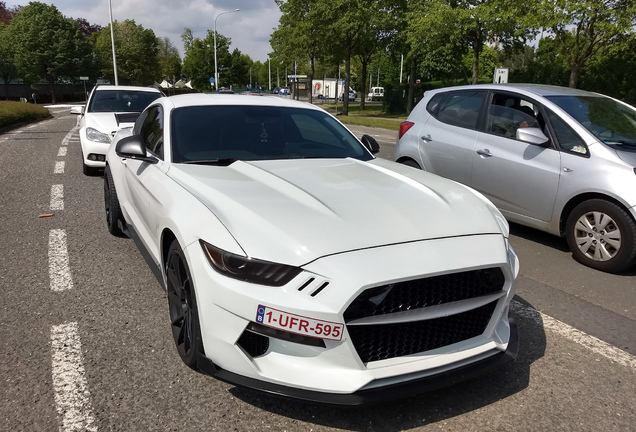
[{"x": 20, "y": 112}]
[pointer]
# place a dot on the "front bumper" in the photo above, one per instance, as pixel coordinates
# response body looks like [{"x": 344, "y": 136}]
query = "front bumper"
[
  {"x": 409, "y": 387},
  {"x": 337, "y": 372}
]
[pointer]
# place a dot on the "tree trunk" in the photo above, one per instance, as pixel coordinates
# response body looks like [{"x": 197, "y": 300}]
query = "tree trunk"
[
  {"x": 410, "y": 101},
  {"x": 6, "y": 87},
  {"x": 476, "y": 51},
  {"x": 364, "y": 81},
  {"x": 345, "y": 90},
  {"x": 311, "y": 79},
  {"x": 52, "y": 87},
  {"x": 575, "y": 72}
]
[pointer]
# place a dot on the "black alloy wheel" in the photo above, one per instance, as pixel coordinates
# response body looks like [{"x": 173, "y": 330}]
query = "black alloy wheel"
[
  {"x": 111, "y": 205},
  {"x": 183, "y": 307}
]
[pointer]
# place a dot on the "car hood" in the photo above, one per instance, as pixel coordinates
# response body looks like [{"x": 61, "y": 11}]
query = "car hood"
[
  {"x": 295, "y": 211},
  {"x": 108, "y": 122}
]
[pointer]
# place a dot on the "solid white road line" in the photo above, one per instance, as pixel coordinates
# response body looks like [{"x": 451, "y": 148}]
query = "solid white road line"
[
  {"x": 57, "y": 197},
  {"x": 59, "y": 167},
  {"x": 72, "y": 398},
  {"x": 592, "y": 343},
  {"x": 62, "y": 151},
  {"x": 59, "y": 269}
]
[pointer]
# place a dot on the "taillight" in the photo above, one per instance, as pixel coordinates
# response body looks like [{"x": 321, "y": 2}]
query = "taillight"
[{"x": 404, "y": 127}]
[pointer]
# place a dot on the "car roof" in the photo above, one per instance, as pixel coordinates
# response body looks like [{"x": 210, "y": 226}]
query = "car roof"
[
  {"x": 538, "y": 89},
  {"x": 201, "y": 99},
  {"x": 127, "y": 88}
]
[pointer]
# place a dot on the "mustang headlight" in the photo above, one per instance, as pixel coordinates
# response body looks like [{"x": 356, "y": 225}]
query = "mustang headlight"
[
  {"x": 97, "y": 136},
  {"x": 248, "y": 269}
]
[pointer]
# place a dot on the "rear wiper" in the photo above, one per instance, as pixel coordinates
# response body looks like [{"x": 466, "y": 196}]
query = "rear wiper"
[{"x": 220, "y": 162}]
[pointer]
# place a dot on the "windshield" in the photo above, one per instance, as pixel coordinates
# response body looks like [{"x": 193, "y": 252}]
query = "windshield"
[
  {"x": 610, "y": 121},
  {"x": 121, "y": 100},
  {"x": 222, "y": 133}
]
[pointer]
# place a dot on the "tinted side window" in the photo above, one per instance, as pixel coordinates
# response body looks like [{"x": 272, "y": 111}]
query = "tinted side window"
[
  {"x": 152, "y": 131},
  {"x": 567, "y": 137},
  {"x": 461, "y": 108}
]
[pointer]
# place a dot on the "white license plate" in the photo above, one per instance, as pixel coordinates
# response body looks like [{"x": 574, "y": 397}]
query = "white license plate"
[{"x": 298, "y": 324}]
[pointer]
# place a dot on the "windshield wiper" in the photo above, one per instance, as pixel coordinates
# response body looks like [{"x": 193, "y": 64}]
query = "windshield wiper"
[
  {"x": 620, "y": 142},
  {"x": 219, "y": 162}
]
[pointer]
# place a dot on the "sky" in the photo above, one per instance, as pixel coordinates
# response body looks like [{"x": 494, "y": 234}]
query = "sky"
[{"x": 249, "y": 29}]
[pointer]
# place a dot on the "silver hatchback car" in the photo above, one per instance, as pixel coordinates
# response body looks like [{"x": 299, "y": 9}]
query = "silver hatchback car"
[{"x": 556, "y": 159}]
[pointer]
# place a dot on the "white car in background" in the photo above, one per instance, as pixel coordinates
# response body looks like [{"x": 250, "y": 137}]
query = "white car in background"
[
  {"x": 297, "y": 263},
  {"x": 108, "y": 109}
]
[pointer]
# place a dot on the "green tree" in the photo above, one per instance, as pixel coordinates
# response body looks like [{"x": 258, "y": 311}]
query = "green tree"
[
  {"x": 8, "y": 71},
  {"x": 198, "y": 62},
  {"x": 445, "y": 30},
  {"x": 300, "y": 35},
  {"x": 136, "y": 50},
  {"x": 47, "y": 45},
  {"x": 583, "y": 28},
  {"x": 169, "y": 59}
]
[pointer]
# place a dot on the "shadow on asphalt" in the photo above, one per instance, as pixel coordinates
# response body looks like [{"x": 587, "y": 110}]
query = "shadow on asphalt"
[{"x": 424, "y": 409}]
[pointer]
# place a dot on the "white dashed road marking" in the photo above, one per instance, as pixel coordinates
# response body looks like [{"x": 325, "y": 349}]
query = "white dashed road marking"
[
  {"x": 62, "y": 151},
  {"x": 57, "y": 197},
  {"x": 72, "y": 398},
  {"x": 595, "y": 345},
  {"x": 59, "y": 269},
  {"x": 59, "y": 167},
  {"x": 68, "y": 136}
]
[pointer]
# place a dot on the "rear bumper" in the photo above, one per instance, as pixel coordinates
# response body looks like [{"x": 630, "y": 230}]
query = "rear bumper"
[{"x": 379, "y": 394}]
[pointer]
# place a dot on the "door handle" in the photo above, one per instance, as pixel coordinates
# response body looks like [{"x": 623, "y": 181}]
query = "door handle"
[
  {"x": 484, "y": 153},
  {"x": 427, "y": 138},
  {"x": 122, "y": 160}
]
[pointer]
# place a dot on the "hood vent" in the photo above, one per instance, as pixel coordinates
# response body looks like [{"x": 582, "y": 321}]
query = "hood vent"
[{"x": 313, "y": 286}]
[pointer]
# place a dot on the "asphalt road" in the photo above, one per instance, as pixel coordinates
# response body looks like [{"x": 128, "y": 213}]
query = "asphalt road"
[{"x": 86, "y": 343}]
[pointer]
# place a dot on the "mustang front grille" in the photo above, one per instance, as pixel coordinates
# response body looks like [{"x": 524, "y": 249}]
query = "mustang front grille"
[
  {"x": 408, "y": 302},
  {"x": 380, "y": 342}
]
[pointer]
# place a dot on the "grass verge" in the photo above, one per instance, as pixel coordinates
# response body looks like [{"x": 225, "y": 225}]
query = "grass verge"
[
  {"x": 20, "y": 112},
  {"x": 384, "y": 123}
]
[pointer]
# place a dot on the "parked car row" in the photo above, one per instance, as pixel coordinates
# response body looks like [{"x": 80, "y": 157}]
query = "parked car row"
[{"x": 297, "y": 263}]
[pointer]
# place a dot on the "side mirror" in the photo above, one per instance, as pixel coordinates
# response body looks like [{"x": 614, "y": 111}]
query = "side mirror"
[
  {"x": 533, "y": 135},
  {"x": 133, "y": 147},
  {"x": 77, "y": 110},
  {"x": 370, "y": 143}
]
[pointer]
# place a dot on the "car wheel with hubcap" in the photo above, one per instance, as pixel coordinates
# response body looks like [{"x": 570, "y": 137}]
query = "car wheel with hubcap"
[
  {"x": 182, "y": 303},
  {"x": 602, "y": 235},
  {"x": 111, "y": 204}
]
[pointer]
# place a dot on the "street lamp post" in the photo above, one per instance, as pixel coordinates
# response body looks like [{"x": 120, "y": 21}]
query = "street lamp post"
[
  {"x": 112, "y": 39},
  {"x": 216, "y": 74}
]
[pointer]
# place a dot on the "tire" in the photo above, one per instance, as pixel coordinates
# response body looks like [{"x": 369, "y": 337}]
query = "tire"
[
  {"x": 89, "y": 170},
  {"x": 411, "y": 163},
  {"x": 602, "y": 235},
  {"x": 184, "y": 317},
  {"x": 111, "y": 206}
]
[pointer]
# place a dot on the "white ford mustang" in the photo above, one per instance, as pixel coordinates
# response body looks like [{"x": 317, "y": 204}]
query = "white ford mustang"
[{"x": 299, "y": 264}]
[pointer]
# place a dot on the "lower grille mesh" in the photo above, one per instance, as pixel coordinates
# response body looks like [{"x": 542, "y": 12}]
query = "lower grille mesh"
[{"x": 380, "y": 342}]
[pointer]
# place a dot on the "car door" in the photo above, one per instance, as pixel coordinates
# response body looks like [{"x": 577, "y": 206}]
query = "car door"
[
  {"x": 448, "y": 138},
  {"x": 518, "y": 177},
  {"x": 145, "y": 180}
]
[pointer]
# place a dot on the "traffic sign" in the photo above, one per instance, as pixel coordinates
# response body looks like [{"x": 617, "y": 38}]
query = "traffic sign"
[
  {"x": 212, "y": 80},
  {"x": 501, "y": 76},
  {"x": 83, "y": 78},
  {"x": 296, "y": 76}
]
